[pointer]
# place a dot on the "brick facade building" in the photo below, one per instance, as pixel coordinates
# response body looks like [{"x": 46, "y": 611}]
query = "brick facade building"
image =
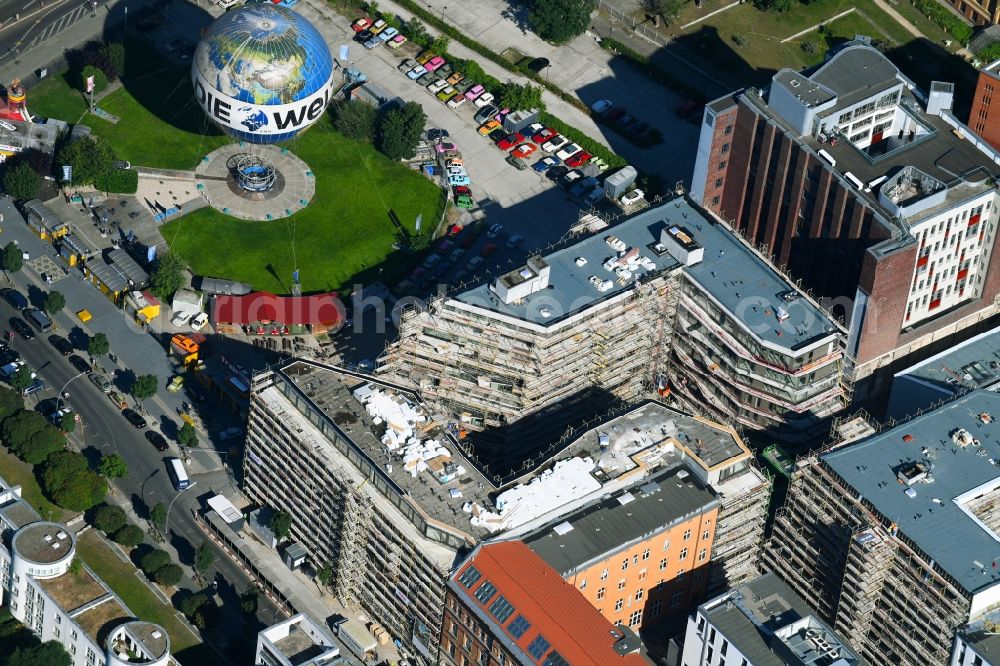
[{"x": 984, "y": 118}]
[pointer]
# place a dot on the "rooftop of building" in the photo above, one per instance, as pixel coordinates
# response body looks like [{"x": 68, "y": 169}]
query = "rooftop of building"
[
  {"x": 528, "y": 592},
  {"x": 972, "y": 364},
  {"x": 300, "y": 640},
  {"x": 151, "y": 637},
  {"x": 936, "y": 476},
  {"x": 73, "y": 589},
  {"x": 736, "y": 277},
  {"x": 435, "y": 473},
  {"x": 983, "y": 633},
  {"x": 14, "y": 511},
  {"x": 100, "y": 619},
  {"x": 770, "y": 625},
  {"x": 855, "y": 73},
  {"x": 43, "y": 542},
  {"x": 610, "y": 523}
]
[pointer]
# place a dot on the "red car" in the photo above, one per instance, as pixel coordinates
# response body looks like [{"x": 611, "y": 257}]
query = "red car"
[
  {"x": 544, "y": 135},
  {"x": 459, "y": 190},
  {"x": 578, "y": 160},
  {"x": 487, "y": 250},
  {"x": 454, "y": 230},
  {"x": 510, "y": 141},
  {"x": 361, "y": 24},
  {"x": 468, "y": 241},
  {"x": 524, "y": 150}
]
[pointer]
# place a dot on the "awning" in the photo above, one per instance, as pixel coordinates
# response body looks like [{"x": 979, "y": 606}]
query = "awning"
[{"x": 262, "y": 306}]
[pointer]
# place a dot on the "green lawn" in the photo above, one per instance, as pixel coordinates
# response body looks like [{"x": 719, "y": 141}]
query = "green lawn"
[
  {"x": 56, "y": 98},
  {"x": 344, "y": 235},
  {"x": 121, "y": 577},
  {"x": 18, "y": 473}
]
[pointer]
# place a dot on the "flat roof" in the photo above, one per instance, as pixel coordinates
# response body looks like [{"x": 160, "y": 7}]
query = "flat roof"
[
  {"x": 749, "y": 616},
  {"x": 73, "y": 590},
  {"x": 807, "y": 91},
  {"x": 298, "y": 647},
  {"x": 610, "y": 523},
  {"x": 332, "y": 391},
  {"x": 99, "y": 620},
  {"x": 739, "y": 279},
  {"x": 43, "y": 542},
  {"x": 972, "y": 364},
  {"x": 132, "y": 270},
  {"x": 937, "y": 518},
  {"x": 855, "y": 73},
  {"x": 150, "y": 636}
]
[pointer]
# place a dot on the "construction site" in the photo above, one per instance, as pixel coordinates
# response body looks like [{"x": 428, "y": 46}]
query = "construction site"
[{"x": 893, "y": 538}]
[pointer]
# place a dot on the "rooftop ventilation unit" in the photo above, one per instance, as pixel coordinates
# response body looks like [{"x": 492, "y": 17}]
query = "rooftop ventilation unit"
[
  {"x": 563, "y": 528},
  {"x": 625, "y": 498}
]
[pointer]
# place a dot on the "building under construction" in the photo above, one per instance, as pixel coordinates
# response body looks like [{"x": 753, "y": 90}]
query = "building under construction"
[
  {"x": 601, "y": 313},
  {"x": 894, "y": 538}
]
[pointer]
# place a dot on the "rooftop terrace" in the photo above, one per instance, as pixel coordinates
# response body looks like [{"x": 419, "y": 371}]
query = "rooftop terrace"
[
  {"x": 99, "y": 620},
  {"x": 736, "y": 277},
  {"x": 434, "y": 473},
  {"x": 937, "y": 477},
  {"x": 149, "y": 636},
  {"x": 44, "y": 542},
  {"x": 74, "y": 589}
]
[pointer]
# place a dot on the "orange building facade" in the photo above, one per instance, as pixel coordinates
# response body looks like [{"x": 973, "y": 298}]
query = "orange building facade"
[
  {"x": 640, "y": 557},
  {"x": 984, "y": 118}
]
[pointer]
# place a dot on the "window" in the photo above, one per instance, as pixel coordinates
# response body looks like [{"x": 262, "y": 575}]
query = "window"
[
  {"x": 469, "y": 577},
  {"x": 676, "y": 598},
  {"x": 635, "y": 559},
  {"x": 680, "y": 575},
  {"x": 638, "y": 595},
  {"x": 555, "y": 659},
  {"x": 645, "y": 554},
  {"x": 538, "y": 647},
  {"x": 656, "y": 607},
  {"x": 501, "y": 609},
  {"x": 604, "y": 574},
  {"x": 724, "y": 149},
  {"x": 702, "y": 554},
  {"x": 687, "y": 534},
  {"x": 518, "y": 627},
  {"x": 600, "y": 593},
  {"x": 683, "y": 555},
  {"x": 705, "y": 534},
  {"x": 621, "y": 584},
  {"x": 485, "y": 592},
  {"x": 619, "y": 604},
  {"x": 718, "y": 183},
  {"x": 625, "y": 564},
  {"x": 663, "y": 564},
  {"x": 583, "y": 585},
  {"x": 634, "y": 618},
  {"x": 722, "y": 164},
  {"x": 642, "y": 575}
]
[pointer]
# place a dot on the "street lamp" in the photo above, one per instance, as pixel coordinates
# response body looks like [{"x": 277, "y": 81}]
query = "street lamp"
[
  {"x": 63, "y": 389},
  {"x": 443, "y": 10}
]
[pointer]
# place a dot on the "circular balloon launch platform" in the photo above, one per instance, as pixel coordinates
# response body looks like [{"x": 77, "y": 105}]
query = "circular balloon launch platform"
[{"x": 255, "y": 182}]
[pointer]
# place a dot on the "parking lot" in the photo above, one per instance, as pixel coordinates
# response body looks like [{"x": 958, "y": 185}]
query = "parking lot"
[{"x": 523, "y": 202}]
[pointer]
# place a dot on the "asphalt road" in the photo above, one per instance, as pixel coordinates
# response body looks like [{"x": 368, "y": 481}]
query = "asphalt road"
[
  {"x": 40, "y": 21},
  {"x": 104, "y": 430}
]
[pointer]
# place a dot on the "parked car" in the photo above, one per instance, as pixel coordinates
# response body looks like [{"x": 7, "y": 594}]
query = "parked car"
[
  {"x": 494, "y": 231},
  {"x": 460, "y": 190},
  {"x": 524, "y": 150},
  {"x": 554, "y": 144},
  {"x": 582, "y": 186},
  {"x": 487, "y": 250},
  {"x": 445, "y": 70},
  {"x": 464, "y": 85},
  {"x": 538, "y": 64},
  {"x": 426, "y": 57},
  {"x": 16, "y": 299},
  {"x": 468, "y": 240},
  {"x": 101, "y": 382},
  {"x": 484, "y": 99},
  {"x": 9, "y": 356},
  {"x": 416, "y": 72},
  {"x": 378, "y": 27},
  {"x": 361, "y": 24},
  {"x": 544, "y": 164},
  {"x": 459, "y": 180},
  {"x": 456, "y": 171},
  {"x": 373, "y": 42},
  {"x": 614, "y": 114},
  {"x": 474, "y": 263},
  {"x": 436, "y": 133},
  {"x": 135, "y": 418},
  {"x": 510, "y": 140},
  {"x": 532, "y": 129},
  {"x": 62, "y": 345},
  {"x": 485, "y": 114},
  {"x": 579, "y": 159},
  {"x": 438, "y": 84},
  {"x": 556, "y": 172},
  {"x": 434, "y": 63},
  {"x": 464, "y": 201},
  {"x": 456, "y": 254},
  {"x": 388, "y": 34},
  {"x": 517, "y": 163},
  {"x": 456, "y": 101},
  {"x": 600, "y": 106},
  {"x": 455, "y": 78},
  {"x": 514, "y": 241},
  {"x": 157, "y": 440},
  {"x": 687, "y": 108},
  {"x": 407, "y": 65},
  {"x": 454, "y": 230},
  {"x": 444, "y": 245},
  {"x": 445, "y": 93},
  {"x": 397, "y": 41},
  {"x": 632, "y": 197},
  {"x": 498, "y": 135},
  {"x": 427, "y": 79},
  {"x": 445, "y": 147},
  {"x": 625, "y": 121},
  {"x": 34, "y": 387},
  {"x": 489, "y": 127},
  {"x": 568, "y": 151},
  {"x": 637, "y": 129},
  {"x": 430, "y": 261},
  {"x": 474, "y": 92},
  {"x": 21, "y": 328},
  {"x": 591, "y": 198},
  {"x": 80, "y": 364},
  {"x": 571, "y": 177},
  {"x": 544, "y": 135}
]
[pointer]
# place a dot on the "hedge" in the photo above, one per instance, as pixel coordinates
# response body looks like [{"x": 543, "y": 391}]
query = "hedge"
[
  {"x": 119, "y": 181},
  {"x": 944, "y": 17},
  {"x": 592, "y": 146}
]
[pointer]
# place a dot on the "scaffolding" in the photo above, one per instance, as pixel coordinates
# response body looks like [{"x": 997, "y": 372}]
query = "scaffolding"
[{"x": 356, "y": 518}]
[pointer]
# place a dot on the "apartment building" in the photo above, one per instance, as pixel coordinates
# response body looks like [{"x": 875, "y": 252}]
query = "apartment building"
[
  {"x": 871, "y": 192},
  {"x": 984, "y": 117},
  {"x": 979, "y": 12},
  {"x": 297, "y": 641},
  {"x": 56, "y": 596},
  {"x": 978, "y": 646},
  {"x": 507, "y": 606},
  {"x": 669, "y": 299},
  {"x": 762, "y": 623},
  {"x": 893, "y": 538}
]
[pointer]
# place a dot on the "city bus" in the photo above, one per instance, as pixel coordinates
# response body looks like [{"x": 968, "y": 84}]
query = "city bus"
[{"x": 178, "y": 474}]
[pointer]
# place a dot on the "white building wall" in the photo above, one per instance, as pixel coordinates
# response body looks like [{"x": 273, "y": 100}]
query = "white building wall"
[
  {"x": 963, "y": 654},
  {"x": 704, "y": 645}
]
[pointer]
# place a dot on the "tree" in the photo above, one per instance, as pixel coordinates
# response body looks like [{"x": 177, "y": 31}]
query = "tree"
[
  {"x": 11, "y": 402},
  {"x": 168, "y": 275},
  {"x": 400, "y": 131},
  {"x": 21, "y": 182},
  {"x": 250, "y": 600},
  {"x": 113, "y": 466},
  {"x": 42, "y": 444},
  {"x": 49, "y": 653},
  {"x": 417, "y": 32},
  {"x": 68, "y": 481},
  {"x": 169, "y": 575},
  {"x": 67, "y": 422},
  {"x": 153, "y": 561},
  {"x": 204, "y": 557},
  {"x": 189, "y": 605},
  {"x": 90, "y": 157},
  {"x": 144, "y": 387},
  {"x": 54, "y": 302},
  {"x": 187, "y": 435},
  {"x": 13, "y": 257},
  {"x": 109, "y": 518},
  {"x": 325, "y": 575},
  {"x": 440, "y": 45},
  {"x": 355, "y": 119},
  {"x": 520, "y": 97},
  {"x": 18, "y": 429},
  {"x": 114, "y": 53},
  {"x": 21, "y": 379},
  {"x": 158, "y": 515},
  {"x": 98, "y": 345},
  {"x": 129, "y": 536},
  {"x": 668, "y": 9},
  {"x": 281, "y": 524},
  {"x": 559, "y": 21}
]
